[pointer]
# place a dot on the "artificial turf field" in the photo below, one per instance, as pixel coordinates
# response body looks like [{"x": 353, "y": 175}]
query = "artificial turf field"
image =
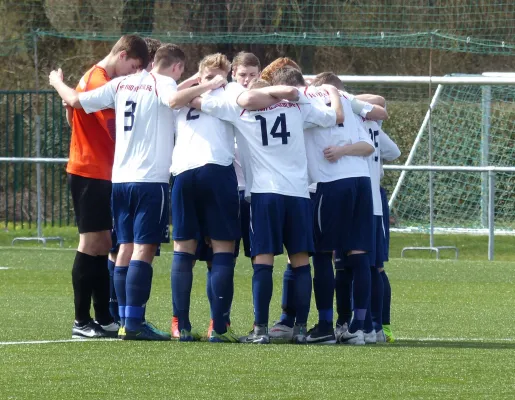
[{"x": 454, "y": 323}]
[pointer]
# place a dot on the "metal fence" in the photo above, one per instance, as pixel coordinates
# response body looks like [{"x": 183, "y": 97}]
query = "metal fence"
[{"x": 18, "y": 205}]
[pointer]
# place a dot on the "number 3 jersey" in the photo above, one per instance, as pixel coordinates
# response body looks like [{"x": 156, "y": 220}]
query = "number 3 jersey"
[
  {"x": 144, "y": 125},
  {"x": 275, "y": 139},
  {"x": 202, "y": 139}
]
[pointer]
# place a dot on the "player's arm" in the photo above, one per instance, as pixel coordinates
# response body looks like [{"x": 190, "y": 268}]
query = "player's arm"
[
  {"x": 368, "y": 110},
  {"x": 334, "y": 153},
  {"x": 182, "y": 97},
  {"x": 372, "y": 99},
  {"x": 218, "y": 106},
  {"x": 69, "y": 95},
  {"x": 189, "y": 82},
  {"x": 336, "y": 102},
  {"x": 68, "y": 111},
  {"x": 389, "y": 150},
  {"x": 256, "y": 99}
]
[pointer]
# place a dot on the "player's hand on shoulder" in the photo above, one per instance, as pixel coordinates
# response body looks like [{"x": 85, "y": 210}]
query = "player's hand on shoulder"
[
  {"x": 216, "y": 82},
  {"x": 55, "y": 76}
]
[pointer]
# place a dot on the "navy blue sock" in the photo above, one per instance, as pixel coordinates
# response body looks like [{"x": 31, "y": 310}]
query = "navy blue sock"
[
  {"x": 137, "y": 289},
  {"x": 113, "y": 300},
  {"x": 376, "y": 298},
  {"x": 360, "y": 264},
  {"x": 323, "y": 285},
  {"x": 343, "y": 289},
  {"x": 288, "y": 299},
  {"x": 119, "y": 280},
  {"x": 302, "y": 288},
  {"x": 230, "y": 296},
  {"x": 262, "y": 288},
  {"x": 209, "y": 291},
  {"x": 387, "y": 298},
  {"x": 182, "y": 280},
  {"x": 222, "y": 281},
  {"x": 367, "y": 324}
]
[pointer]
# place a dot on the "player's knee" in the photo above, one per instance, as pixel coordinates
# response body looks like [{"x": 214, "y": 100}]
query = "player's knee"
[
  {"x": 144, "y": 252},
  {"x": 125, "y": 254},
  {"x": 185, "y": 246},
  {"x": 95, "y": 243},
  {"x": 267, "y": 259},
  {"x": 299, "y": 259},
  {"x": 223, "y": 246}
]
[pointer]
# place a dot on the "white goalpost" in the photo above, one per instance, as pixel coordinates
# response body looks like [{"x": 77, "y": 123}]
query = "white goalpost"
[{"x": 459, "y": 174}]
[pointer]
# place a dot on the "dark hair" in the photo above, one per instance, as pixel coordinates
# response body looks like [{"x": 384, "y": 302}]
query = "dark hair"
[
  {"x": 152, "y": 45},
  {"x": 134, "y": 46},
  {"x": 246, "y": 60},
  {"x": 288, "y": 76},
  {"x": 167, "y": 55},
  {"x": 328, "y": 78}
]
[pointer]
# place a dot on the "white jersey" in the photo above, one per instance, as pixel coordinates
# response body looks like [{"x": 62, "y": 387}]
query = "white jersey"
[
  {"x": 238, "y": 168},
  {"x": 202, "y": 139},
  {"x": 318, "y": 139},
  {"x": 144, "y": 125},
  {"x": 389, "y": 150},
  {"x": 383, "y": 146},
  {"x": 275, "y": 140}
]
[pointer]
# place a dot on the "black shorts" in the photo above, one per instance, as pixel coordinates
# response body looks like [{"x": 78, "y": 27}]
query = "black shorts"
[{"x": 92, "y": 203}]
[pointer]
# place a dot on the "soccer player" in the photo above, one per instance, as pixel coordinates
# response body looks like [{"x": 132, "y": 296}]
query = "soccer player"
[
  {"x": 343, "y": 214},
  {"x": 373, "y": 322},
  {"x": 205, "y": 206},
  {"x": 152, "y": 46},
  {"x": 281, "y": 212},
  {"x": 143, "y": 103},
  {"x": 89, "y": 175},
  {"x": 389, "y": 152}
]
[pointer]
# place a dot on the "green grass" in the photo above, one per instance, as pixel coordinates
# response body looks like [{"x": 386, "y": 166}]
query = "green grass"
[
  {"x": 453, "y": 318},
  {"x": 471, "y": 247}
]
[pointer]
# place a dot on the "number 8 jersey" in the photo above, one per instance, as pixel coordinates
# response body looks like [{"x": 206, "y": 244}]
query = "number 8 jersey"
[
  {"x": 275, "y": 138},
  {"x": 144, "y": 125}
]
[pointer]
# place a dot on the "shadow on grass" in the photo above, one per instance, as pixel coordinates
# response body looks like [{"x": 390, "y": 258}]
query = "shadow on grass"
[{"x": 460, "y": 344}]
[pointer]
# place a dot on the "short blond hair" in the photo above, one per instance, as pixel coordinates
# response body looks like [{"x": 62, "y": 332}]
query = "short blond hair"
[
  {"x": 258, "y": 84},
  {"x": 215, "y": 61},
  {"x": 270, "y": 69}
]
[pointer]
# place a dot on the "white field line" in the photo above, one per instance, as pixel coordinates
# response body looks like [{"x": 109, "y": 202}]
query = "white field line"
[
  {"x": 400, "y": 339},
  {"x": 56, "y": 341},
  {"x": 4, "y": 267}
]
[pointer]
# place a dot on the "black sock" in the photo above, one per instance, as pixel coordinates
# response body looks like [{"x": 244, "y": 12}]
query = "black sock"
[
  {"x": 100, "y": 292},
  {"x": 82, "y": 280}
]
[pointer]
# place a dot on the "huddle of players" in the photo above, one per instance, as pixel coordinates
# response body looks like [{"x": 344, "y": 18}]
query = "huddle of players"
[{"x": 285, "y": 135}]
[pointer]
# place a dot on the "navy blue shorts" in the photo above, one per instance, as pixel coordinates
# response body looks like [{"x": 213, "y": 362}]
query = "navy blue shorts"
[
  {"x": 344, "y": 215},
  {"x": 386, "y": 223},
  {"x": 141, "y": 212},
  {"x": 205, "y": 202},
  {"x": 204, "y": 252},
  {"x": 245, "y": 224},
  {"x": 377, "y": 254},
  {"x": 278, "y": 220},
  {"x": 116, "y": 246}
]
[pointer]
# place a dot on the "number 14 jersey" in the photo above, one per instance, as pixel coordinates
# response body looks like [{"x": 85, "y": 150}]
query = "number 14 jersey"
[{"x": 275, "y": 138}]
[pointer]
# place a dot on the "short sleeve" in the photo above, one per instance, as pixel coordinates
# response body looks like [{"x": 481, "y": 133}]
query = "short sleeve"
[
  {"x": 221, "y": 107},
  {"x": 165, "y": 90},
  {"x": 100, "y": 98},
  {"x": 317, "y": 114},
  {"x": 389, "y": 151}
]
